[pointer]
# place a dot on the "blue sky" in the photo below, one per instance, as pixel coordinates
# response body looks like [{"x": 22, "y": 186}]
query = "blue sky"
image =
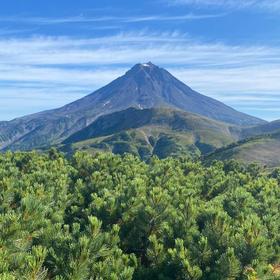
[{"x": 53, "y": 52}]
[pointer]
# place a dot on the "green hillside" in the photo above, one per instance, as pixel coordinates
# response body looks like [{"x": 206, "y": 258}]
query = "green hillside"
[
  {"x": 264, "y": 150},
  {"x": 161, "y": 132}
]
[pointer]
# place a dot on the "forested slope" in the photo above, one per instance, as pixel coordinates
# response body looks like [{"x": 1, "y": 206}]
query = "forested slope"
[{"x": 112, "y": 217}]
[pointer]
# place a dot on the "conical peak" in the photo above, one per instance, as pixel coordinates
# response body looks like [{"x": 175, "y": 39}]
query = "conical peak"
[
  {"x": 146, "y": 69},
  {"x": 148, "y": 64}
]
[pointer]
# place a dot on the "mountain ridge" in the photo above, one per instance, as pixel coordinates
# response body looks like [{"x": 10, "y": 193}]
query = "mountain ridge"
[
  {"x": 134, "y": 118},
  {"x": 155, "y": 131}
]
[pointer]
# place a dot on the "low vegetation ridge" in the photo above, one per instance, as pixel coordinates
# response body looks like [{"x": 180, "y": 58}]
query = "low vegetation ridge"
[{"x": 261, "y": 149}]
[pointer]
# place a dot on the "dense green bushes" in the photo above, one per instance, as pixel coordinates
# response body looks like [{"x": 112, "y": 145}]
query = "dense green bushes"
[{"x": 112, "y": 217}]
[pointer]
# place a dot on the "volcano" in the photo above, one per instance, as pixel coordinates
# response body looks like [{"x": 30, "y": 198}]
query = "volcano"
[{"x": 144, "y": 86}]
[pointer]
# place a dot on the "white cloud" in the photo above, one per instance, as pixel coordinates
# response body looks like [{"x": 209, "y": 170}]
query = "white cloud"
[
  {"x": 62, "y": 69},
  {"x": 132, "y": 47},
  {"x": 102, "y": 19},
  {"x": 272, "y": 5}
]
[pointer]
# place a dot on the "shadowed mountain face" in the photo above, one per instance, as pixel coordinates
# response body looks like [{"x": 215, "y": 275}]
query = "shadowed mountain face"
[
  {"x": 144, "y": 86},
  {"x": 177, "y": 121}
]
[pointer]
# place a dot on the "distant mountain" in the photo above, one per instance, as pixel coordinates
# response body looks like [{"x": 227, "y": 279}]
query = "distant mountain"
[
  {"x": 144, "y": 86},
  {"x": 263, "y": 150},
  {"x": 155, "y": 131}
]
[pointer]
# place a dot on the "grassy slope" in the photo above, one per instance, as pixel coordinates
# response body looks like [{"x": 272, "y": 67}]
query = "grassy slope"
[
  {"x": 268, "y": 128},
  {"x": 161, "y": 132},
  {"x": 264, "y": 150}
]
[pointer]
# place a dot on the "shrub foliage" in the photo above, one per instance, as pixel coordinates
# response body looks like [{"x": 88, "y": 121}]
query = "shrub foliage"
[{"x": 116, "y": 217}]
